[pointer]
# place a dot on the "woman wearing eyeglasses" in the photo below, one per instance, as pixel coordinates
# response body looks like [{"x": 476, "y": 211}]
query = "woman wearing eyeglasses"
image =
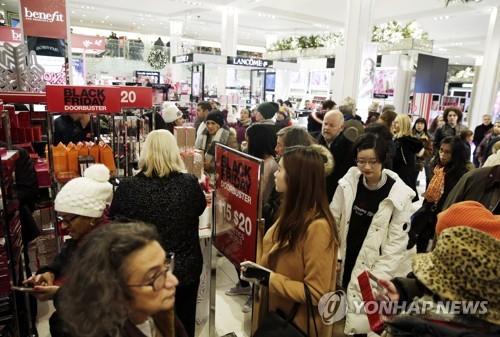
[
  {"x": 372, "y": 208},
  {"x": 80, "y": 205},
  {"x": 120, "y": 284}
]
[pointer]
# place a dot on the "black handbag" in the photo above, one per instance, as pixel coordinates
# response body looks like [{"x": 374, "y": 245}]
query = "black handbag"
[{"x": 276, "y": 324}]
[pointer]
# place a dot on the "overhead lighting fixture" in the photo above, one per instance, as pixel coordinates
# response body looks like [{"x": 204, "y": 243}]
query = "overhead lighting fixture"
[
  {"x": 106, "y": 17},
  {"x": 441, "y": 18},
  {"x": 4, "y": 4}
]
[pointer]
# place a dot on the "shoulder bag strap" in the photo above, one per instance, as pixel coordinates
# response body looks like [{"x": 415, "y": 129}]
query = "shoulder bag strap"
[{"x": 310, "y": 310}]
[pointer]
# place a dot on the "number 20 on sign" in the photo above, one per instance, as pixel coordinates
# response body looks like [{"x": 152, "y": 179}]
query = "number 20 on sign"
[{"x": 237, "y": 219}]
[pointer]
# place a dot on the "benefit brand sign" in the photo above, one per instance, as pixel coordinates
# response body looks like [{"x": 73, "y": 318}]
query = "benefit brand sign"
[
  {"x": 44, "y": 18},
  {"x": 237, "y": 204},
  {"x": 10, "y": 35},
  {"x": 80, "y": 99}
]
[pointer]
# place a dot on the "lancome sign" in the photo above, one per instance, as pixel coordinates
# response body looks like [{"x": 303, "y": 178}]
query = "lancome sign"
[
  {"x": 249, "y": 62},
  {"x": 45, "y": 18}
]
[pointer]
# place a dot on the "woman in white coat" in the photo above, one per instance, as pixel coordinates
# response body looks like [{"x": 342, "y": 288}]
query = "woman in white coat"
[{"x": 372, "y": 209}]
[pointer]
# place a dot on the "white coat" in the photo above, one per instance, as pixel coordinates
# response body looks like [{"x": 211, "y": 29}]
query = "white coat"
[{"x": 384, "y": 251}]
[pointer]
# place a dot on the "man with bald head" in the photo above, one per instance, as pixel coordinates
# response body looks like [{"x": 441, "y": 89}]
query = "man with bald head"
[{"x": 332, "y": 136}]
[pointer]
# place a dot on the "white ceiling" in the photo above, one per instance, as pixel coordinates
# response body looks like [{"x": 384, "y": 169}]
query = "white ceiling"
[{"x": 459, "y": 31}]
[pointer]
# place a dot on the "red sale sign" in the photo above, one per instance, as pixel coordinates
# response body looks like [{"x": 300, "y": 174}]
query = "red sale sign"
[
  {"x": 136, "y": 97},
  {"x": 237, "y": 204},
  {"x": 45, "y": 18},
  {"x": 83, "y": 99}
]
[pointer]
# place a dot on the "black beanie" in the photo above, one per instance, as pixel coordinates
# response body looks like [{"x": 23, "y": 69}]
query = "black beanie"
[
  {"x": 217, "y": 117},
  {"x": 268, "y": 109}
]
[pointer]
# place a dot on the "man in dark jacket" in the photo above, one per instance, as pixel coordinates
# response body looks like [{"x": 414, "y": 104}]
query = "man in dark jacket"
[
  {"x": 73, "y": 128},
  {"x": 479, "y": 132},
  {"x": 482, "y": 185},
  {"x": 332, "y": 136}
]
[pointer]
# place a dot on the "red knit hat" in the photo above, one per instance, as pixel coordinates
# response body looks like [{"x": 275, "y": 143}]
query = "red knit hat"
[{"x": 471, "y": 214}]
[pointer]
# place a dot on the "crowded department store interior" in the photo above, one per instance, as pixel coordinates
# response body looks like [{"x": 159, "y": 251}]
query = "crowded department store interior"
[{"x": 249, "y": 168}]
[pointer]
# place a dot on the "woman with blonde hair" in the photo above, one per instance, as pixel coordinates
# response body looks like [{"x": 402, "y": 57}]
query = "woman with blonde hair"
[
  {"x": 164, "y": 195},
  {"x": 408, "y": 148}
]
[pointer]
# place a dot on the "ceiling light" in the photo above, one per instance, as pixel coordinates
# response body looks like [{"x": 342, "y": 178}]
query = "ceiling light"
[
  {"x": 84, "y": 15},
  {"x": 3, "y": 4},
  {"x": 81, "y": 20},
  {"x": 106, "y": 17},
  {"x": 102, "y": 21}
]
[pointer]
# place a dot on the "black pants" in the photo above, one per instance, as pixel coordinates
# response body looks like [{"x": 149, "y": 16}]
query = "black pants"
[{"x": 186, "y": 297}]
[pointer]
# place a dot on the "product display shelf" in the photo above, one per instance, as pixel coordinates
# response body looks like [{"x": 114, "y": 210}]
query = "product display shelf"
[{"x": 14, "y": 307}]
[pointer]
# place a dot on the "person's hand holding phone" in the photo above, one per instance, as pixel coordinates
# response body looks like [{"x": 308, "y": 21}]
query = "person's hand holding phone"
[
  {"x": 386, "y": 292},
  {"x": 44, "y": 279}
]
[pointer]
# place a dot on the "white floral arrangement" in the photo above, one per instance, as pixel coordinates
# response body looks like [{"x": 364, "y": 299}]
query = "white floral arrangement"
[
  {"x": 158, "y": 58},
  {"x": 395, "y": 31},
  {"x": 329, "y": 40}
]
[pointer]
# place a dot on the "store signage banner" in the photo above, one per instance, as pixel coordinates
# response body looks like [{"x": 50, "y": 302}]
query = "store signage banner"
[
  {"x": 88, "y": 43},
  {"x": 249, "y": 62},
  {"x": 83, "y": 99},
  {"x": 11, "y": 35},
  {"x": 136, "y": 97},
  {"x": 183, "y": 58},
  {"x": 237, "y": 204},
  {"x": 45, "y": 18}
]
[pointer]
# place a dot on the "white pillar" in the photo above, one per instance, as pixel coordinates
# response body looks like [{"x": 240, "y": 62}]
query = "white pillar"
[
  {"x": 228, "y": 41},
  {"x": 348, "y": 59},
  {"x": 229, "y": 31},
  {"x": 485, "y": 90},
  {"x": 176, "y": 30}
]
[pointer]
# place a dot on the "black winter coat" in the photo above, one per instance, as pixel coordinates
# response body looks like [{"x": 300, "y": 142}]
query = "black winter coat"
[
  {"x": 343, "y": 157},
  {"x": 173, "y": 204}
]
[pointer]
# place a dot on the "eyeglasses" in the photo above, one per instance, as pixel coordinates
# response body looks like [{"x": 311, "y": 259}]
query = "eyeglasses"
[
  {"x": 67, "y": 218},
  {"x": 159, "y": 279},
  {"x": 363, "y": 162}
]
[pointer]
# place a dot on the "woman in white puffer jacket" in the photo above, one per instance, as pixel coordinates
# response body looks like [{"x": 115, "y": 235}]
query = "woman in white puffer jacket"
[{"x": 372, "y": 208}]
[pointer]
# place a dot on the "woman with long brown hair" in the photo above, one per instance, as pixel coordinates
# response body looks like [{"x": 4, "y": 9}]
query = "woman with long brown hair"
[{"x": 301, "y": 247}]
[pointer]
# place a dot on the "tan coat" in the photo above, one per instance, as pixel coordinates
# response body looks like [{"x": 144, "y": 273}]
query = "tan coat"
[{"x": 313, "y": 261}]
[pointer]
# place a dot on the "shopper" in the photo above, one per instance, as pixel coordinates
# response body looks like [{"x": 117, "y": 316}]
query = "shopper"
[
  {"x": 479, "y": 132},
  {"x": 282, "y": 119},
  {"x": 494, "y": 158},
  {"x": 349, "y": 112},
  {"x": 372, "y": 208},
  {"x": 408, "y": 148},
  {"x": 266, "y": 112},
  {"x": 214, "y": 133},
  {"x": 340, "y": 147},
  {"x": 452, "y": 117},
  {"x": 172, "y": 116},
  {"x": 482, "y": 185},
  {"x": 466, "y": 136},
  {"x": 291, "y": 136},
  {"x": 449, "y": 275},
  {"x": 385, "y": 134},
  {"x": 74, "y": 128},
  {"x": 419, "y": 131},
  {"x": 261, "y": 144},
  {"x": 387, "y": 116},
  {"x": 447, "y": 169},
  {"x": 80, "y": 205},
  {"x": 484, "y": 148},
  {"x": 241, "y": 126},
  {"x": 164, "y": 195},
  {"x": 315, "y": 118},
  {"x": 301, "y": 247},
  {"x": 436, "y": 124},
  {"x": 373, "y": 113},
  {"x": 129, "y": 288},
  {"x": 202, "y": 110}
]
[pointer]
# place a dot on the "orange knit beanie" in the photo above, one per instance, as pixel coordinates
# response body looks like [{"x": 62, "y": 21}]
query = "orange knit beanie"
[{"x": 471, "y": 214}]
